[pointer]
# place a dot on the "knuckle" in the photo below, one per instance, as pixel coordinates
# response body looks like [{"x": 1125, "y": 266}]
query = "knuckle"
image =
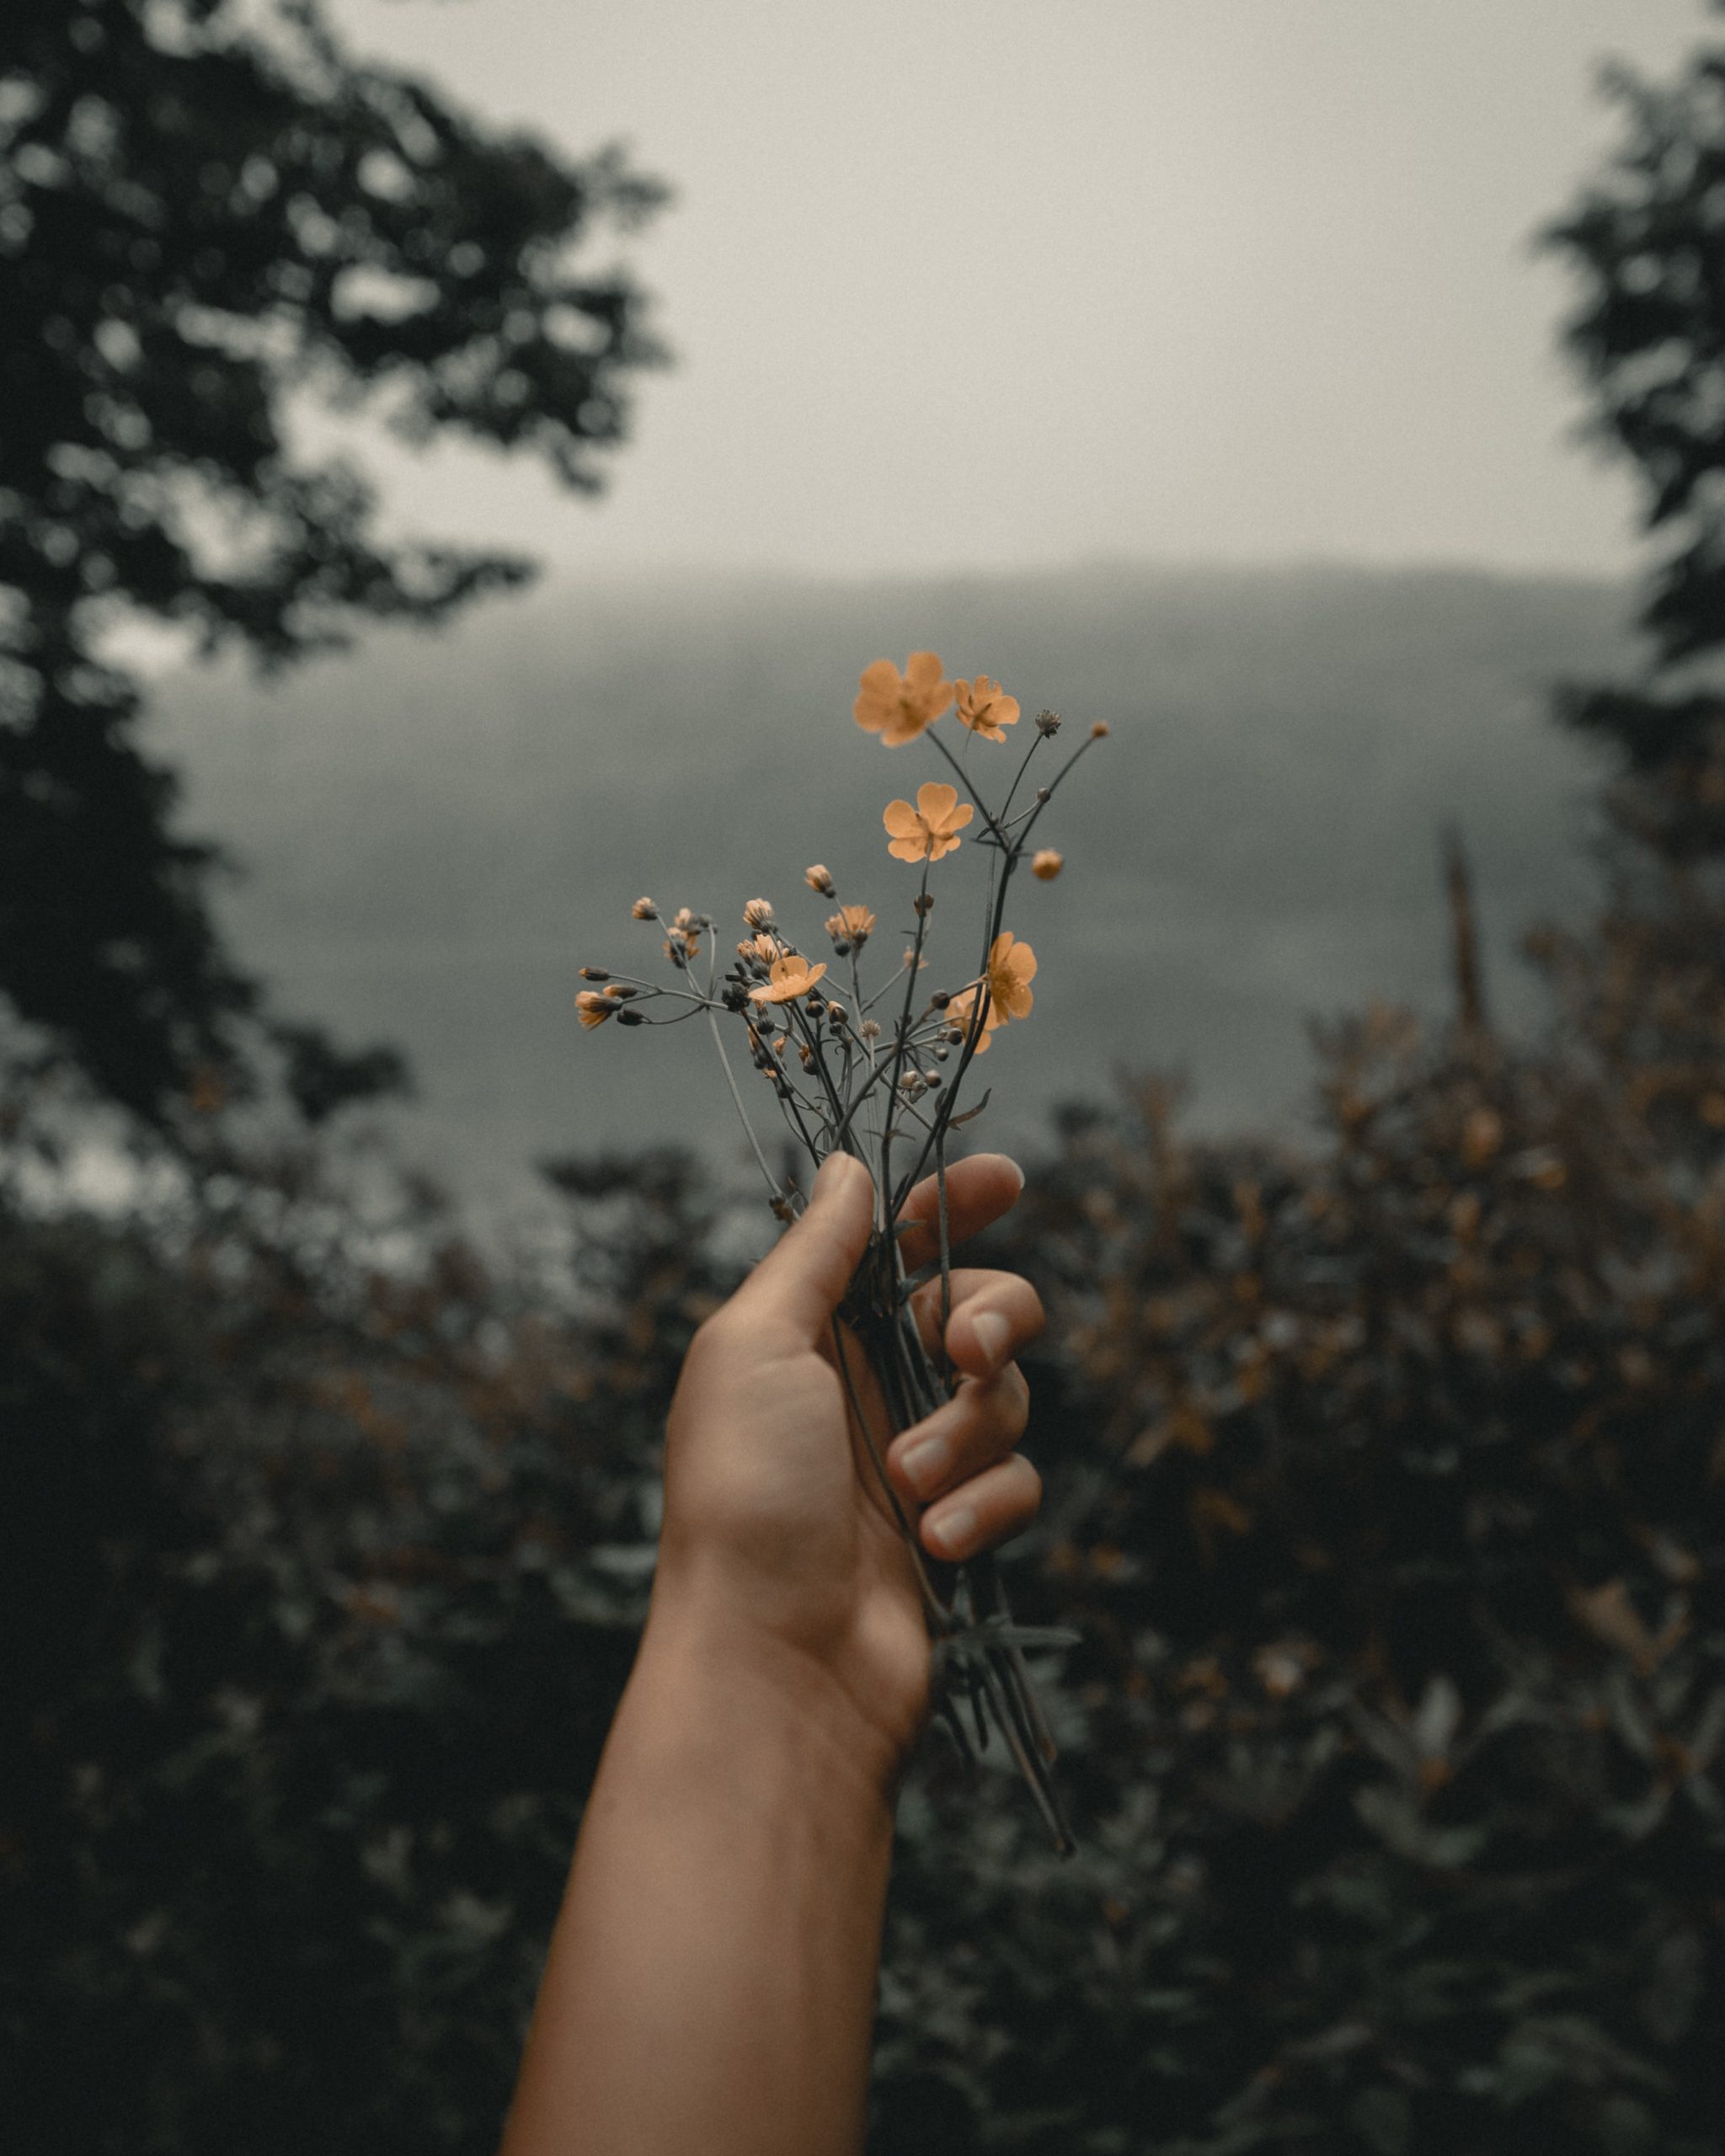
[{"x": 1027, "y": 1476}]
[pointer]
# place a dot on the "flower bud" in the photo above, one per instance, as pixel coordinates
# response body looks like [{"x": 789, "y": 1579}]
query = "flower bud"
[
  {"x": 758, "y": 913},
  {"x": 820, "y": 878},
  {"x": 632, "y": 1017},
  {"x": 644, "y": 910},
  {"x": 1044, "y": 793},
  {"x": 925, "y": 904},
  {"x": 1047, "y": 723},
  {"x": 1047, "y": 863},
  {"x": 594, "y": 973},
  {"x": 1099, "y": 732},
  {"x": 939, "y": 1000},
  {"x": 837, "y": 1014}
]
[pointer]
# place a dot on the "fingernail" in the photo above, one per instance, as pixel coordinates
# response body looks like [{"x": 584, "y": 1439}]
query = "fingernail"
[
  {"x": 926, "y": 1463},
  {"x": 1016, "y": 1169},
  {"x": 993, "y": 1335},
  {"x": 953, "y": 1531}
]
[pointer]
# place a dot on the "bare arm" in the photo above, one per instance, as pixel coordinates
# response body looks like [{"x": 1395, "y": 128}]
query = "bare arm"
[{"x": 710, "y": 1980}]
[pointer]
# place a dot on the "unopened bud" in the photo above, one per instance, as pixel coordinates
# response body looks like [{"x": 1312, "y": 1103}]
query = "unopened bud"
[
  {"x": 758, "y": 913},
  {"x": 1099, "y": 732},
  {"x": 837, "y": 1014},
  {"x": 644, "y": 910},
  {"x": 939, "y": 1000},
  {"x": 820, "y": 878},
  {"x": 925, "y": 904},
  {"x": 632, "y": 1017},
  {"x": 1044, "y": 793},
  {"x": 594, "y": 973}
]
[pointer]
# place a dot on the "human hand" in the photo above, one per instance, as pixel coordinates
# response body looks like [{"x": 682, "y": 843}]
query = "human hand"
[{"x": 779, "y": 1546}]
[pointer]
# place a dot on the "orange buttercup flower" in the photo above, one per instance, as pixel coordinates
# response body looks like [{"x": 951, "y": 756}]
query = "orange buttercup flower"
[
  {"x": 593, "y": 1008},
  {"x": 985, "y": 707},
  {"x": 1047, "y": 862},
  {"x": 763, "y": 947},
  {"x": 792, "y": 977},
  {"x": 930, "y": 829},
  {"x": 897, "y": 707},
  {"x": 1012, "y": 966},
  {"x": 851, "y": 925}
]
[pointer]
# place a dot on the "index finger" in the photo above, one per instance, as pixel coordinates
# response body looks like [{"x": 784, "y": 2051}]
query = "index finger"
[{"x": 979, "y": 1190}]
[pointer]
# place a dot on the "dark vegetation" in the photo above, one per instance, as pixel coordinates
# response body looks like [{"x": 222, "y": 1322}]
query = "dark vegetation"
[{"x": 1387, "y": 1484}]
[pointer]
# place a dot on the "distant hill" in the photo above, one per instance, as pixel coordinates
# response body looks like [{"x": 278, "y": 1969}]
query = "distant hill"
[{"x": 438, "y": 831}]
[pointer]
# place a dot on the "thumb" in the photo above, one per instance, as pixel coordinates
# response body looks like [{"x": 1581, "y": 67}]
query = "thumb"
[{"x": 802, "y": 1280}]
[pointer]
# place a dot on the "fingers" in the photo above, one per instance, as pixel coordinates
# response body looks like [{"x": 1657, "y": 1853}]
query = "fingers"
[
  {"x": 978, "y": 1191},
  {"x": 991, "y": 1508},
  {"x": 960, "y": 1462},
  {"x": 802, "y": 1279},
  {"x": 994, "y": 1315}
]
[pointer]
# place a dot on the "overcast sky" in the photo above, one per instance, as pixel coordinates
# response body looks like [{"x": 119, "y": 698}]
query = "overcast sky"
[{"x": 975, "y": 283}]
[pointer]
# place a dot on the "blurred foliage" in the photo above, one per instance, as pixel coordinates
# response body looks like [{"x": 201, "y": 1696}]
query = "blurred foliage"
[
  {"x": 1386, "y": 1485},
  {"x": 322, "y": 1548},
  {"x": 212, "y": 219},
  {"x": 1647, "y": 242}
]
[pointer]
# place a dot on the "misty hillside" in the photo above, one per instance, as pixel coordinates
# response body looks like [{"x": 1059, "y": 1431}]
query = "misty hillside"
[{"x": 439, "y": 829}]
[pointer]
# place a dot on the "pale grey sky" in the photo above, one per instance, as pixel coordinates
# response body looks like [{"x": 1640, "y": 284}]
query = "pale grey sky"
[{"x": 981, "y": 283}]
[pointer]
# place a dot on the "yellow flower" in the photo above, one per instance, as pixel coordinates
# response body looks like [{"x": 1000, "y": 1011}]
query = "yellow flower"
[
  {"x": 1007, "y": 977},
  {"x": 1047, "y": 862},
  {"x": 851, "y": 925},
  {"x": 763, "y": 947},
  {"x": 932, "y": 828},
  {"x": 593, "y": 1008},
  {"x": 985, "y": 707},
  {"x": 897, "y": 707},
  {"x": 792, "y": 977}
]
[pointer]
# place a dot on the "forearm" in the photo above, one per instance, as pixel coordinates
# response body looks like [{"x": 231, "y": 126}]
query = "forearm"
[{"x": 710, "y": 1980}]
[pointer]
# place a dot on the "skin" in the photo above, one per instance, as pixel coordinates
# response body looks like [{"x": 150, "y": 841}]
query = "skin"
[{"x": 712, "y": 1975}]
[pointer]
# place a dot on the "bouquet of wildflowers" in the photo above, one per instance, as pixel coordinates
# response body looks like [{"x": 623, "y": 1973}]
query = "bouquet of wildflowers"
[{"x": 877, "y": 1071}]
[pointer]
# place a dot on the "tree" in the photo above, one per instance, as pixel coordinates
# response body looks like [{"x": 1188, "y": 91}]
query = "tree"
[
  {"x": 207, "y": 210},
  {"x": 1647, "y": 238}
]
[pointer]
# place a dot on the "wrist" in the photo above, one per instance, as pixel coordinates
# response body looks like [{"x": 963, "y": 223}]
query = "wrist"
[{"x": 771, "y": 1700}]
